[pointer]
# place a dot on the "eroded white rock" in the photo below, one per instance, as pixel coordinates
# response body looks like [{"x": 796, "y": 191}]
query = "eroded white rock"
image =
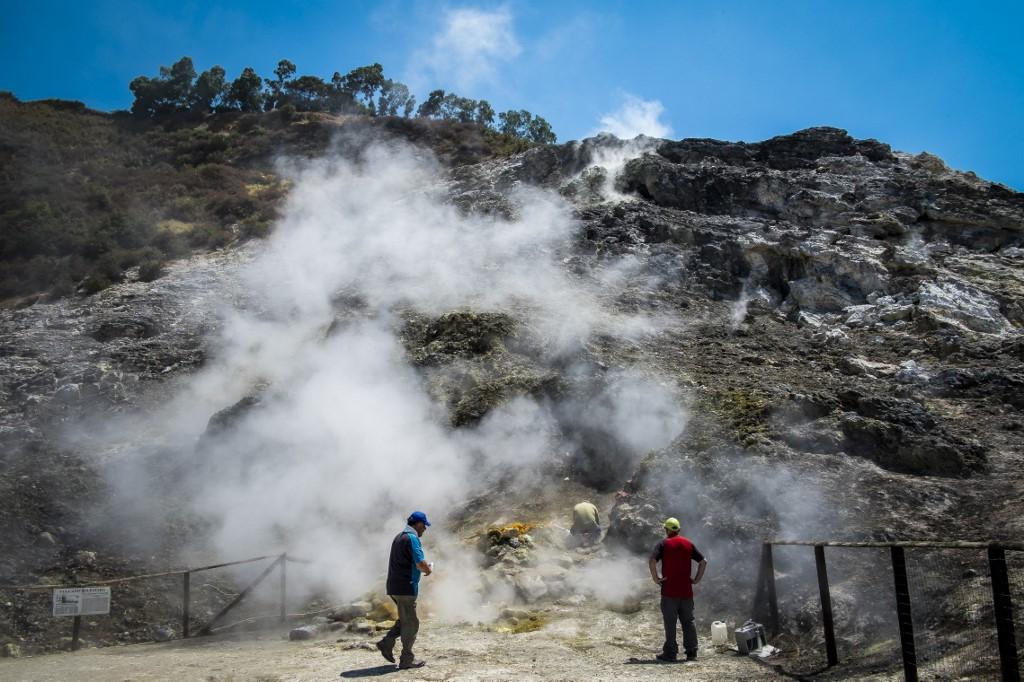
[{"x": 962, "y": 306}]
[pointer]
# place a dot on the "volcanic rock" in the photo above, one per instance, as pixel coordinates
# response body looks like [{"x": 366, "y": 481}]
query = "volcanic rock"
[
  {"x": 359, "y": 609},
  {"x": 530, "y": 587},
  {"x": 361, "y": 626},
  {"x": 843, "y": 323},
  {"x": 126, "y": 327},
  {"x": 162, "y": 633},
  {"x": 961, "y": 305},
  {"x": 303, "y": 632}
]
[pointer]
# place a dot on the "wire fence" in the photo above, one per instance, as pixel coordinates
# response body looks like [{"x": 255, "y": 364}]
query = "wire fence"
[
  {"x": 938, "y": 611},
  {"x": 865, "y": 623},
  {"x": 1015, "y": 568},
  {"x": 954, "y": 620},
  {"x": 171, "y": 604}
]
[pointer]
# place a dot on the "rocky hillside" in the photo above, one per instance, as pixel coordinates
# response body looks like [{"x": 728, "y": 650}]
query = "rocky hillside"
[
  {"x": 841, "y": 322},
  {"x": 86, "y": 195},
  {"x": 862, "y": 304}
]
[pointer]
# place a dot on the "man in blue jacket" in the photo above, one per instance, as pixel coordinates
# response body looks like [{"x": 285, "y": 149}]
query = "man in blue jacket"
[{"x": 405, "y": 567}]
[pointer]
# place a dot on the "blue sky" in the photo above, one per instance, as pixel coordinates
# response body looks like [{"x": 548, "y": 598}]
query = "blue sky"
[{"x": 946, "y": 77}]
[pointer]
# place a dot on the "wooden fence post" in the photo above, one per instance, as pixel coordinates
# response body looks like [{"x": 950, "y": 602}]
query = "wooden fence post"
[
  {"x": 773, "y": 602},
  {"x": 826, "y": 605},
  {"x": 186, "y": 599},
  {"x": 76, "y": 626},
  {"x": 1003, "y": 603},
  {"x": 284, "y": 587},
  {"x": 903, "y": 613},
  {"x": 766, "y": 605}
]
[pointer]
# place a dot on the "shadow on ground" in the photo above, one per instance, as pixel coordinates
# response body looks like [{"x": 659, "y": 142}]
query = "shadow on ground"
[
  {"x": 375, "y": 671},
  {"x": 652, "y": 661}
]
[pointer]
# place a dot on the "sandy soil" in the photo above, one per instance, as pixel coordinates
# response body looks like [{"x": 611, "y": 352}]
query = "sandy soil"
[{"x": 574, "y": 646}]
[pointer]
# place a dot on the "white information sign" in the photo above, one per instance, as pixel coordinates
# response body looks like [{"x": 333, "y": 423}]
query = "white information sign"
[{"x": 81, "y": 601}]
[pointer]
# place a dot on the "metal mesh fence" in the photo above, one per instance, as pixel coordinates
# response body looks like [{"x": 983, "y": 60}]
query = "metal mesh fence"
[
  {"x": 1015, "y": 569},
  {"x": 955, "y": 633},
  {"x": 800, "y": 641},
  {"x": 954, "y": 623},
  {"x": 865, "y": 607}
]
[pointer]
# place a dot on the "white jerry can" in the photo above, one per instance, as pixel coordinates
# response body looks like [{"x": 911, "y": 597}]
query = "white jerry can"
[{"x": 719, "y": 633}]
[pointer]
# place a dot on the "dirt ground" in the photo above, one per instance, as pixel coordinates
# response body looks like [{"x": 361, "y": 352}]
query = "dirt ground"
[{"x": 575, "y": 645}]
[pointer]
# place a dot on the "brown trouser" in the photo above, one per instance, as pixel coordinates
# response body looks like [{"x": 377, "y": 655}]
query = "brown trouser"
[{"x": 406, "y": 627}]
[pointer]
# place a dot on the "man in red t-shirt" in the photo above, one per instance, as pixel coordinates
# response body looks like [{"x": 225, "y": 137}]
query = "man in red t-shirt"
[{"x": 675, "y": 554}]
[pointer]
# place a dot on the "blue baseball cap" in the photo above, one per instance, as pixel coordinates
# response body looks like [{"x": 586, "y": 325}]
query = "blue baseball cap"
[{"x": 417, "y": 517}]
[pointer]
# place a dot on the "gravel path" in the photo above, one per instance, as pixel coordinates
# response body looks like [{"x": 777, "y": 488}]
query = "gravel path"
[{"x": 571, "y": 648}]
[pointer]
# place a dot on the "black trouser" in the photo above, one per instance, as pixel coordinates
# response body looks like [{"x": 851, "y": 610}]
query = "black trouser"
[
  {"x": 406, "y": 627},
  {"x": 675, "y": 609}
]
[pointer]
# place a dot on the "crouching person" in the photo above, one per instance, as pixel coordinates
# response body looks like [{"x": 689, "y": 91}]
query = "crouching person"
[
  {"x": 406, "y": 565},
  {"x": 676, "y": 554},
  {"x": 586, "y": 525}
]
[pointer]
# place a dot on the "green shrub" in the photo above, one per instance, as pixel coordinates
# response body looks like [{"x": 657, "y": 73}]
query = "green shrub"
[
  {"x": 249, "y": 123},
  {"x": 34, "y": 228},
  {"x": 232, "y": 207},
  {"x": 191, "y": 147},
  {"x": 95, "y": 283},
  {"x": 215, "y": 175},
  {"x": 171, "y": 245},
  {"x": 255, "y": 228},
  {"x": 63, "y": 285},
  {"x": 287, "y": 113},
  {"x": 210, "y": 236},
  {"x": 110, "y": 266},
  {"x": 151, "y": 270}
]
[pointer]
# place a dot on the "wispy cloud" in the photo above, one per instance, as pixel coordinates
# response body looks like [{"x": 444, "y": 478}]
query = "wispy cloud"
[
  {"x": 635, "y": 117},
  {"x": 469, "y": 48},
  {"x": 573, "y": 40}
]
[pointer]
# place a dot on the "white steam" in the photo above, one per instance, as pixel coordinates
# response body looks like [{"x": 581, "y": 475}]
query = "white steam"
[
  {"x": 738, "y": 309},
  {"x": 614, "y": 580},
  {"x": 346, "y": 439},
  {"x": 634, "y": 117},
  {"x": 611, "y": 159}
]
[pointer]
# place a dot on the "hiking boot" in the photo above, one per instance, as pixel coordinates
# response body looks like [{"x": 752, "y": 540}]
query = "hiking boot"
[
  {"x": 412, "y": 664},
  {"x": 386, "y": 651},
  {"x": 691, "y": 656},
  {"x": 666, "y": 658}
]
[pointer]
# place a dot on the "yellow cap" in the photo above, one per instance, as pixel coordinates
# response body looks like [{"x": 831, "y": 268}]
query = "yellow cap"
[{"x": 672, "y": 524}]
